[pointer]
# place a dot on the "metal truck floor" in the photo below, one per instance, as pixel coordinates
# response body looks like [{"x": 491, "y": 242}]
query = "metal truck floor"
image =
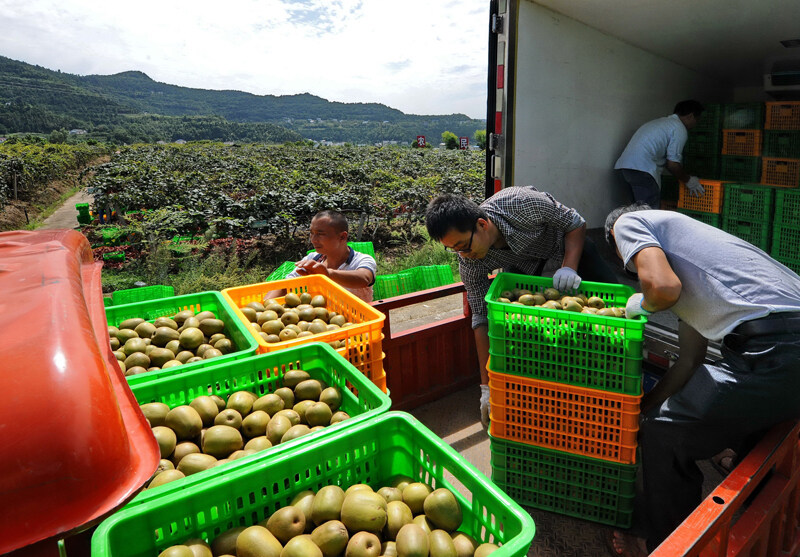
[{"x": 456, "y": 419}]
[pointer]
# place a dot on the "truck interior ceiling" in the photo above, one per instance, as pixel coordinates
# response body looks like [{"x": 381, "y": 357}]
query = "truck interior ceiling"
[{"x": 581, "y": 76}]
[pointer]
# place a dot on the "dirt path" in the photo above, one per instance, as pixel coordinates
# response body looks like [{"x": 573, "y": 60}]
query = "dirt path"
[{"x": 66, "y": 216}]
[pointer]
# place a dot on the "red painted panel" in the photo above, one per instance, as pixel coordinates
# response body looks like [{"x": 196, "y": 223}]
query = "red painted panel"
[
  {"x": 501, "y": 74},
  {"x": 498, "y": 185},
  {"x": 429, "y": 362},
  {"x": 498, "y": 122}
]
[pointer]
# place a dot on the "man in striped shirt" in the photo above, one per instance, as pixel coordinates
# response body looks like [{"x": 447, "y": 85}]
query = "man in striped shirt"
[{"x": 517, "y": 230}]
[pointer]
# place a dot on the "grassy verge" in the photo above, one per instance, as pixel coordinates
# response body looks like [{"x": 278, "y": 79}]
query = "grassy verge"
[{"x": 222, "y": 269}]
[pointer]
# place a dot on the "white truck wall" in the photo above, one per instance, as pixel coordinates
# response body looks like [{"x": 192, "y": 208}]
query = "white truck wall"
[{"x": 579, "y": 95}]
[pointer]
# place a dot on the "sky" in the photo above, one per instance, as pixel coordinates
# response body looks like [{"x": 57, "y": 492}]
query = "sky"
[{"x": 419, "y": 56}]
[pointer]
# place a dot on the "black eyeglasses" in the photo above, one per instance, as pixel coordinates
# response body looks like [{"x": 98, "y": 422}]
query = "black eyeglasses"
[{"x": 463, "y": 250}]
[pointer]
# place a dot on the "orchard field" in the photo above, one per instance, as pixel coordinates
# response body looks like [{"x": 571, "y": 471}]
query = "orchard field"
[{"x": 234, "y": 209}]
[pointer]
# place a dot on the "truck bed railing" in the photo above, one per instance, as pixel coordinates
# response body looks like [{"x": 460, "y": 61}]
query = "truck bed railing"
[
  {"x": 754, "y": 511},
  {"x": 428, "y": 362}
]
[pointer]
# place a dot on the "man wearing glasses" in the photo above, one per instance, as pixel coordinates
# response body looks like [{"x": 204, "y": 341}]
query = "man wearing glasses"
[{"x": 517, "y": 230}]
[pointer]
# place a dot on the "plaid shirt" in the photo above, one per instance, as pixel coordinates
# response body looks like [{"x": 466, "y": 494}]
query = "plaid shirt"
[{"x": 533, "y": 224}]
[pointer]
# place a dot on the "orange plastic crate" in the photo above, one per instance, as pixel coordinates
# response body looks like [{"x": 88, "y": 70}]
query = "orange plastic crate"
[
  {"x": 783, "y": 115},
  {"x": 709, "y": 202},
  {"x": 588, "y": 422},
  {"x": 745, "y": 143},
  {"x": 363, "y": 339},
  {"x": 780, "y": 172}
]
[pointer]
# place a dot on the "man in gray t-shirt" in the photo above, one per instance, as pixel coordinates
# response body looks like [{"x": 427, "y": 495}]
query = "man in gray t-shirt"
[{"x": 721, "y": 288}]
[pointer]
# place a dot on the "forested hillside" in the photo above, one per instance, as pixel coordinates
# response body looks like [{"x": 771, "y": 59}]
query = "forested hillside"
[{"x": 129, "y": 106}]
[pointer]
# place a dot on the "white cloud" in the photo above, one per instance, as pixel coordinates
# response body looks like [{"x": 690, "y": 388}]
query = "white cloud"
[{"x": 420, "y": 56}]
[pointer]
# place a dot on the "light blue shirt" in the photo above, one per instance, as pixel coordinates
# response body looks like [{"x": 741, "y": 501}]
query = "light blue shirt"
[
  {"x": 725, "y": 281},
  {"x": 653, "y": 145}
]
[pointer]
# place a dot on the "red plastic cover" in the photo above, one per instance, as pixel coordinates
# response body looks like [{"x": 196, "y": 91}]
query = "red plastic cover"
[{"x": 73, "y": 444}]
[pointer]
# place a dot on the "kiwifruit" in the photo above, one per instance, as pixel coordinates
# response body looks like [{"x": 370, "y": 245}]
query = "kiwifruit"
[
  {"x": 291, "y": 300},
  {"x": 257, "y": 306},
  {"x": 249, "y": 313},
  {"x": 294, "y": 377},
  {"x": 229, "y": 417},
  {"x": 207, "y": 409},
  {"x": 166, "y": 322},
  {"x": 184, "y": 421},
  {"x": 131, "y": 323},
  {"x": 145, "y": 329}
]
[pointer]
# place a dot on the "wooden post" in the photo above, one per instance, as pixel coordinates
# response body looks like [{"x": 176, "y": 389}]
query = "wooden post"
[{"x": 14, "y": 180}]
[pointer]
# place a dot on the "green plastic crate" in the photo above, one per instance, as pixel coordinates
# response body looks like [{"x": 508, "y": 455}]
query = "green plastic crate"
[
  {"x": 431, "y": 276},
  {"x": 180, "y": 239},
  {"x": 107, "y": 301},
  {"x": 757, "y": 233},
  {"x": 748, "y": 202},
  {"x": 703, "y": 166},
  {"x": 787, "y": 208},
  {"x": 235, "y": 330},
  {"x": 361, "y": 247},
  {"x": 711, "y": 120},
  {"x": 782, "y": 144},
  {"x": 743, "y": 116},
  {"x": 143, "y": 294},
  {"x": 703, "y": 143},
  {"x": 712, "y": 219},
  {"x": 669, "y": 187},
  {"x": 793, "y": 264},
  {"x": 574, "y": 485},
  {"x": 372, "y": 452},
  {"x": 578, "y": 349},
  {"x": 114, "y": 256},
  {"x": 111, "y": 235},
  {"x": 282, "y": 271},
  {"x": 389, "y": 286},
  {"x": 740, "y": 169},
  {"x": 262, "y": 374},
  {"x": 785, "y": 243}
]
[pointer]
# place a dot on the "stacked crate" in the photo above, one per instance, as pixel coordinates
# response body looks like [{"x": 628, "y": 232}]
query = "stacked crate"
[
  {"x": 747, "y": 213},
  {"x": 706, "y": 208},
  {"x": 565, "y": 389},
  {"x": 702, "y": 150},
  {"x": 786, "y": 229},
  {"x": 781, "y": 161}
]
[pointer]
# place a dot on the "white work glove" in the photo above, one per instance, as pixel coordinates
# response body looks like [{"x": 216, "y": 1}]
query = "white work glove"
[
  {"x": 485, "y": 406},
  {"x": 634, "y": 307},
  {"x": 695, "y": 187},
  {"x": 566, "y": 279}
]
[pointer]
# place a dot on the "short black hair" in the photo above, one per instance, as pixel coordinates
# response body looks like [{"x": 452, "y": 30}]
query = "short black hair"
[
  {"x": 450, "y": 211},
  {"x": 338, "y": 220},
  {"x": 684, "y": 108},
  {"x": 612, "y": 217}
]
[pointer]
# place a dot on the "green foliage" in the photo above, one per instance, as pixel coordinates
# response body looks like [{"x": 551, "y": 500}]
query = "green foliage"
[
  {"x": 34, "y": 164},
  {"x": 58, "y": 136},
  {"x": 426, "y": 253},
  {"x": 222, "y": 268},
  {"x": 480, "y": 138},
  {"x": 450, "y": 140},
  {"x": 251, "y": 190}
]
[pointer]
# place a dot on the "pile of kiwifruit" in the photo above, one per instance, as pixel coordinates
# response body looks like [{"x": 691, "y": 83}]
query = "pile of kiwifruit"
[
  {"x": 551, "y": 298},
  {"x": 300, "y": 315},
  {"x": 210, "y": 431},
  {"x": 141, "y": 346},
  {"x": 403, "y": 519}
]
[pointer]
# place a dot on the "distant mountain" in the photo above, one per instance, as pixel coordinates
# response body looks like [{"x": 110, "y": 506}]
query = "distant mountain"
[{"x": 129, "y": 106}]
